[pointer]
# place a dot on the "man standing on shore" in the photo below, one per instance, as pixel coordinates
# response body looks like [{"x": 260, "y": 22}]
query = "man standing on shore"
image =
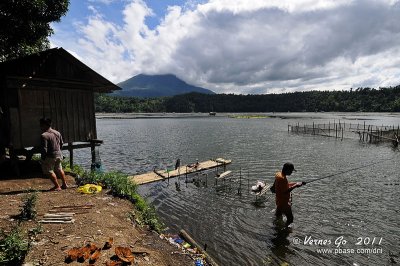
[
  {"x": 51, "y": 144},
  {"x": 282, "y": 190}
]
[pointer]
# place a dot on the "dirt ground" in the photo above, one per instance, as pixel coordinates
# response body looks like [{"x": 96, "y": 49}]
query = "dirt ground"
[{"x": 108, "y": 217}]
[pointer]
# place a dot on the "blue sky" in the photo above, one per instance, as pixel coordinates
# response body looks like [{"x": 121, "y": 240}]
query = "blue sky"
[
  {"x": 231, "y": 46},
  {"x": 79, "y": 10}
]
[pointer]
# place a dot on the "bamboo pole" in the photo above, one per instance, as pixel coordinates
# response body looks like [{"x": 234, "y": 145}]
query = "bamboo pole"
[{"x": 192, "y": 242}]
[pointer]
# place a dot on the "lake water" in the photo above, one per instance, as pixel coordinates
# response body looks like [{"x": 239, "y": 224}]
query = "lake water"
[{"x": 357, "y": 207}]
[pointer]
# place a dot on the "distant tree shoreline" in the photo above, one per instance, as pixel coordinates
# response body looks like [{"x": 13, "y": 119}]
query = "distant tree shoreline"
[{"x": 358, "y": 100}]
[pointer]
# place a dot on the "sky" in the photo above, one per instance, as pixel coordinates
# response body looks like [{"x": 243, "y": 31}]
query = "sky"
[{"x": 239, "y": 46}]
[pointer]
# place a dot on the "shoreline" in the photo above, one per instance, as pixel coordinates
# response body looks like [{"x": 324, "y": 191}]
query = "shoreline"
[
  {"x": 246, "y": 115},
  {"x": 149, "y": 115}
]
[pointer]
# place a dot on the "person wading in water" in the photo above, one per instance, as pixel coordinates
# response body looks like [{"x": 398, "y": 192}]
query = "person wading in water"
[{"x": 282, "y": 190}]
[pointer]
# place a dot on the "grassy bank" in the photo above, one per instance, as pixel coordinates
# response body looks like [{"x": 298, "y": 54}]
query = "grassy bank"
[{"x": 120, "y": 186}]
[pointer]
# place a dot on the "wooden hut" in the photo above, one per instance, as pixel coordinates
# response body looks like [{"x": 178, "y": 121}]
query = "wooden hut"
[{"x": 54, "y": 84}]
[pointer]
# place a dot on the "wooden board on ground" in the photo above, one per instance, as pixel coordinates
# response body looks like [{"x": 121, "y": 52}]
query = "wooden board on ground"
[{"x": 164, "y": 174}]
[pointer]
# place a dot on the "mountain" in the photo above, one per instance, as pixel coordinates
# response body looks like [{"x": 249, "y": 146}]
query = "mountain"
[{"x": 148, "y": 86}]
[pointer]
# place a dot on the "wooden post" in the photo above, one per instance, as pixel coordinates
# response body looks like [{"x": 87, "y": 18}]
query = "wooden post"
[
  {"x": 380, "y": 135},
  {"x": 92, "y": 149},
  {"x": 240, "y": 182},
  {"x": 370, "y": 134},
  {"x": 335, "y": 131},
  {"x": 329, "y": 128},
  {"x": 71, "y": 155},
  {"x": 14, "y": 161},
  {"x": 342, "y": 132},
  {"x": 186, "y": 175}
]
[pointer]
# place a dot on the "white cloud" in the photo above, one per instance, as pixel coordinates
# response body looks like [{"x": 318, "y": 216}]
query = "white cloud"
[{"x": 268, "y": 46}]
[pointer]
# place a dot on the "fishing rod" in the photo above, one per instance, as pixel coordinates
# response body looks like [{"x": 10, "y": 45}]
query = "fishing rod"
[{"x": 349, "y": 170}]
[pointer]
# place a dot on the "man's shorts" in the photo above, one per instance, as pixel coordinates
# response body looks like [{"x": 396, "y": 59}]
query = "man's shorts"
[{"x": 49, "y": 165}]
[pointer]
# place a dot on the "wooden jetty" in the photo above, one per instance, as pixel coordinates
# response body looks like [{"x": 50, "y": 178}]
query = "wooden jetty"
[{"x": 158, "y": 175}]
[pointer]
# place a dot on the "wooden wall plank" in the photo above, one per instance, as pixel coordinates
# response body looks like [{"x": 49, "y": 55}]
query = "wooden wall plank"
[
  {"x": 72, "y": 113},
  {"x": 75, "y": 113},
  {"x": 67, "y": 116},
  {"x": 81, "y": 116},
  {"x": 15, "y": 128},
  {"x": 92, "y": 115},
  {"x": 89, "y": 118}
]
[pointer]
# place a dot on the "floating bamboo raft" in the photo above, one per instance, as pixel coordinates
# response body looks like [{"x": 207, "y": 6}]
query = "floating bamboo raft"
[{"x": 158, "y": 175}]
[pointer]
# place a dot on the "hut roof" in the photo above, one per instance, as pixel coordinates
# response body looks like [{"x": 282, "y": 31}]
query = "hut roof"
[{"x": 58, "y": 67}]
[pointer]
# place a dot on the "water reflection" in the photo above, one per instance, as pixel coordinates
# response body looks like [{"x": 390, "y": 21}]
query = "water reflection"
[{"x": 280, "y": 241}]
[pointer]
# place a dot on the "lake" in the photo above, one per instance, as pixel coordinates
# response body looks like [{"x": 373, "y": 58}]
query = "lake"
[{"x": 354, "y": 214}]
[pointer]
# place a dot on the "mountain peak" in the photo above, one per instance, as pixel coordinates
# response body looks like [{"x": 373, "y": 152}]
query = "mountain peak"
[{"x": 143, "y": 85}]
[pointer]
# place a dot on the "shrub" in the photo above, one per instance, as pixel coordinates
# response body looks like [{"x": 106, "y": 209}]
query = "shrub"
[
  {"x": 28, "y": 210},
  {"x": 13, "y": 247}
]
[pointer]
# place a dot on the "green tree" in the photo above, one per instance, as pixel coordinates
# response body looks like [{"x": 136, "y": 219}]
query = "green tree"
[{"x": 25, "y": 25}]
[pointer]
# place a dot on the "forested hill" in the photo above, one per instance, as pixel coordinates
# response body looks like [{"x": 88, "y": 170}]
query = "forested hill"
[
  {"x": 148, "y": 86},
  {"x": 361, "y": 99}
]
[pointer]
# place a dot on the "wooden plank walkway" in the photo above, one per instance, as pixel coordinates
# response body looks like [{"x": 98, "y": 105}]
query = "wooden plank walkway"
[{"x": 163, "y": 174}]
